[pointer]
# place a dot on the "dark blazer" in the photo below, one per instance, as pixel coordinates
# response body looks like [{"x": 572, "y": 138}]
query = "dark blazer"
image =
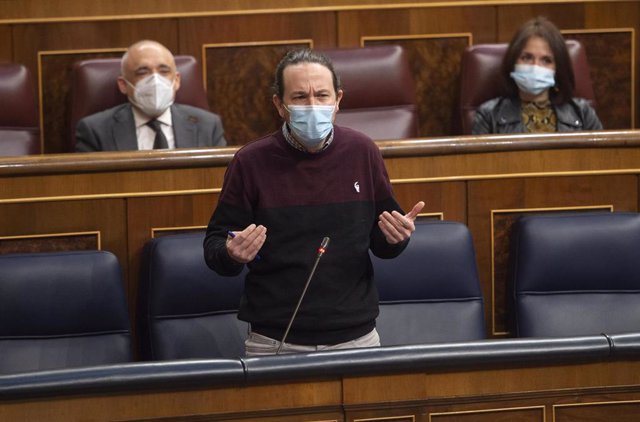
[
  {"x": 502, "y": 115},
  {"x": 114, "y": 129}
]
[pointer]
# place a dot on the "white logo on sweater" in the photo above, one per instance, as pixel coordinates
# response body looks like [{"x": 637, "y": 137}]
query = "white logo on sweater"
[{"x": 356, "y": 186}]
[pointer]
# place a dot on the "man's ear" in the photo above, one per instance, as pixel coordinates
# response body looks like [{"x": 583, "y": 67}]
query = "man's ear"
[
  {"x": 277, "y": 102},
  {"x": 177, "y": 82},
  {"x": 338, "y": 98},
  {"x": 122, "y": 85}
]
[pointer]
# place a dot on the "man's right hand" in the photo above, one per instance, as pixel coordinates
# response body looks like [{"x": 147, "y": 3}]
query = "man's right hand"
[{"x": 243, "y": 246}]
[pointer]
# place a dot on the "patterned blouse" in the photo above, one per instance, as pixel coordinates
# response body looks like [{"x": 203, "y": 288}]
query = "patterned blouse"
[{"x": 538, "y": 117}]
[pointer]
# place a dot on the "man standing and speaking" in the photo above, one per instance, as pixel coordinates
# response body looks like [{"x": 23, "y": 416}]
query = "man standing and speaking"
[{"x": 286, "y": 192}]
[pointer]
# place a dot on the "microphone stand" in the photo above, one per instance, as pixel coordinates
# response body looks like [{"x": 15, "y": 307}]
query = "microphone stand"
[{"x": 321, "y": 250}]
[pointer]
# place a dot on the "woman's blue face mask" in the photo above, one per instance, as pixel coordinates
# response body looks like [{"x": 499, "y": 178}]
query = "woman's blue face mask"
[
  {"x": 533, "y": 79},
  {"x": 311, "y": 124}
]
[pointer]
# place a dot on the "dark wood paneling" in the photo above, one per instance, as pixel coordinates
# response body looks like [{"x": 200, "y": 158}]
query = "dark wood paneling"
[
  {"x": 240, "y": 57},
  {"x": 530, "y": 195},
  {"x": 480, "y": 21},
  {"x": 610, "y": 63},
  {"x": 239, "y": 88},
  {"x": 6, "y": 52},
  {"x": 435, "y": 64},
  {"x": 511, "y": 17},
  {"x": 605, "y": 411},
  {"x": 55, "y": 242},
  {"x": 623, "y": 15}
]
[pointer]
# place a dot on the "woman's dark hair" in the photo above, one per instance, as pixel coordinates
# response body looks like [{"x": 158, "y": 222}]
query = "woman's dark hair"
[
  {"x": 545, "y": 29},
  {"x": 302, "y": 56}
]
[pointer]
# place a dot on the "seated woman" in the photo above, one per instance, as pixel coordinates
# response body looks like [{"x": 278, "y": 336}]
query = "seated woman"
[{"x": 539, "y": 82}]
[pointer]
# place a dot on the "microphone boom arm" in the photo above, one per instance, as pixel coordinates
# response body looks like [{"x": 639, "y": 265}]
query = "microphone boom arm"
[{"x": 321, "y": 250}]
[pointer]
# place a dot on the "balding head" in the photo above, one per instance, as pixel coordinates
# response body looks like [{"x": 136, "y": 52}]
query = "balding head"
[{"x": 143, "y": 59}]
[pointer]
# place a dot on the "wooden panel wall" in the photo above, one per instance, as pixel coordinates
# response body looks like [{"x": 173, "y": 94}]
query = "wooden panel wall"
[{"x": 48, "y": 39}]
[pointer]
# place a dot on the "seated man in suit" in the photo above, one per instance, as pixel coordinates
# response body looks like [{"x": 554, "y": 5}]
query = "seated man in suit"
[{"x": 150, "y": 120}]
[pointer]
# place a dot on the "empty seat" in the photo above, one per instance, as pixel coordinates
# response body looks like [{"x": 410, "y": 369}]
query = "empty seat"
[
  {"x": 94, "y": 88},
  {"x": 480, "y": 78},
  {"x": 185, "y": 309},
  {"x": 576, "y": 274},
  {"x": 431, "y": 293},
  {"x": 19, "y": 128},
  {"x": 379, "y": 91},
  {"x": 62, "y": 310}
]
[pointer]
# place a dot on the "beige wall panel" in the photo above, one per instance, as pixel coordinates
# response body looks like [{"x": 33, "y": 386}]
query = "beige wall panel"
[{"x": 542, "y": 194}]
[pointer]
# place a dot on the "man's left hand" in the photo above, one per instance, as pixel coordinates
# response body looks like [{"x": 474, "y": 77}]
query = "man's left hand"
[{"x": 397, "y": 227}]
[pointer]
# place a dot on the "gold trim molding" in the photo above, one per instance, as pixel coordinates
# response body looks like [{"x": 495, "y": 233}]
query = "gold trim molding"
[
  {"x": 155, "y": 230},
  {"x": 495, "y": 410}
]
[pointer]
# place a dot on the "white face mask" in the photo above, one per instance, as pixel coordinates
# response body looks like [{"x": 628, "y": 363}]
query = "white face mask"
[
  {"x": 532, "y": 78},
  {"x": 153, "y": 94}
]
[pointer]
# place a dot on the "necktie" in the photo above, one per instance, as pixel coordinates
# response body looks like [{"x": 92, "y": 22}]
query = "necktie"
[{"x": 160, "y": 142}]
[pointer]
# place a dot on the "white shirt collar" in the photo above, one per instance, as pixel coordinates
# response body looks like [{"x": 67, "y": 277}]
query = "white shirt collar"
[{"x": 141, "y": 119}]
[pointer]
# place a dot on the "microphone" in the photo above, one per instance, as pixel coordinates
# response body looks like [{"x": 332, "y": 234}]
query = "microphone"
[{"x": 321, "y": 250}]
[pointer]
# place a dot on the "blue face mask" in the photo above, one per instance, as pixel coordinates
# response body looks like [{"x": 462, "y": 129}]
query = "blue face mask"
[
  {"x": 533, "y": 79},
  {"x": 311, "y": 124}
]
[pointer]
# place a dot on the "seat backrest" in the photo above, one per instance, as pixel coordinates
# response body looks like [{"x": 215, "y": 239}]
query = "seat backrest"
[
  {"x": 480, "y": 78},
  {"x": 431, "y": 292},
  {"x": 19, "y": 128},
  {"x": 94, "y": 88},
  {"x": 379, "y": 91},
  {"x": 186, "y": 310},
  {"x": 62, "y": 310},
  {"x": 576, "y": 274}
]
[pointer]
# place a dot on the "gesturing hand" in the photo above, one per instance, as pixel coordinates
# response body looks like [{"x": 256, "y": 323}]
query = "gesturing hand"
[
  {"x": 243, "y": 246},
  {"x": 397, "y": 227}
]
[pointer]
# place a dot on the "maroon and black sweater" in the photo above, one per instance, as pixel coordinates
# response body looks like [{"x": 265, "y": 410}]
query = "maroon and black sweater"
[{"x": 301, "y": 198}]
